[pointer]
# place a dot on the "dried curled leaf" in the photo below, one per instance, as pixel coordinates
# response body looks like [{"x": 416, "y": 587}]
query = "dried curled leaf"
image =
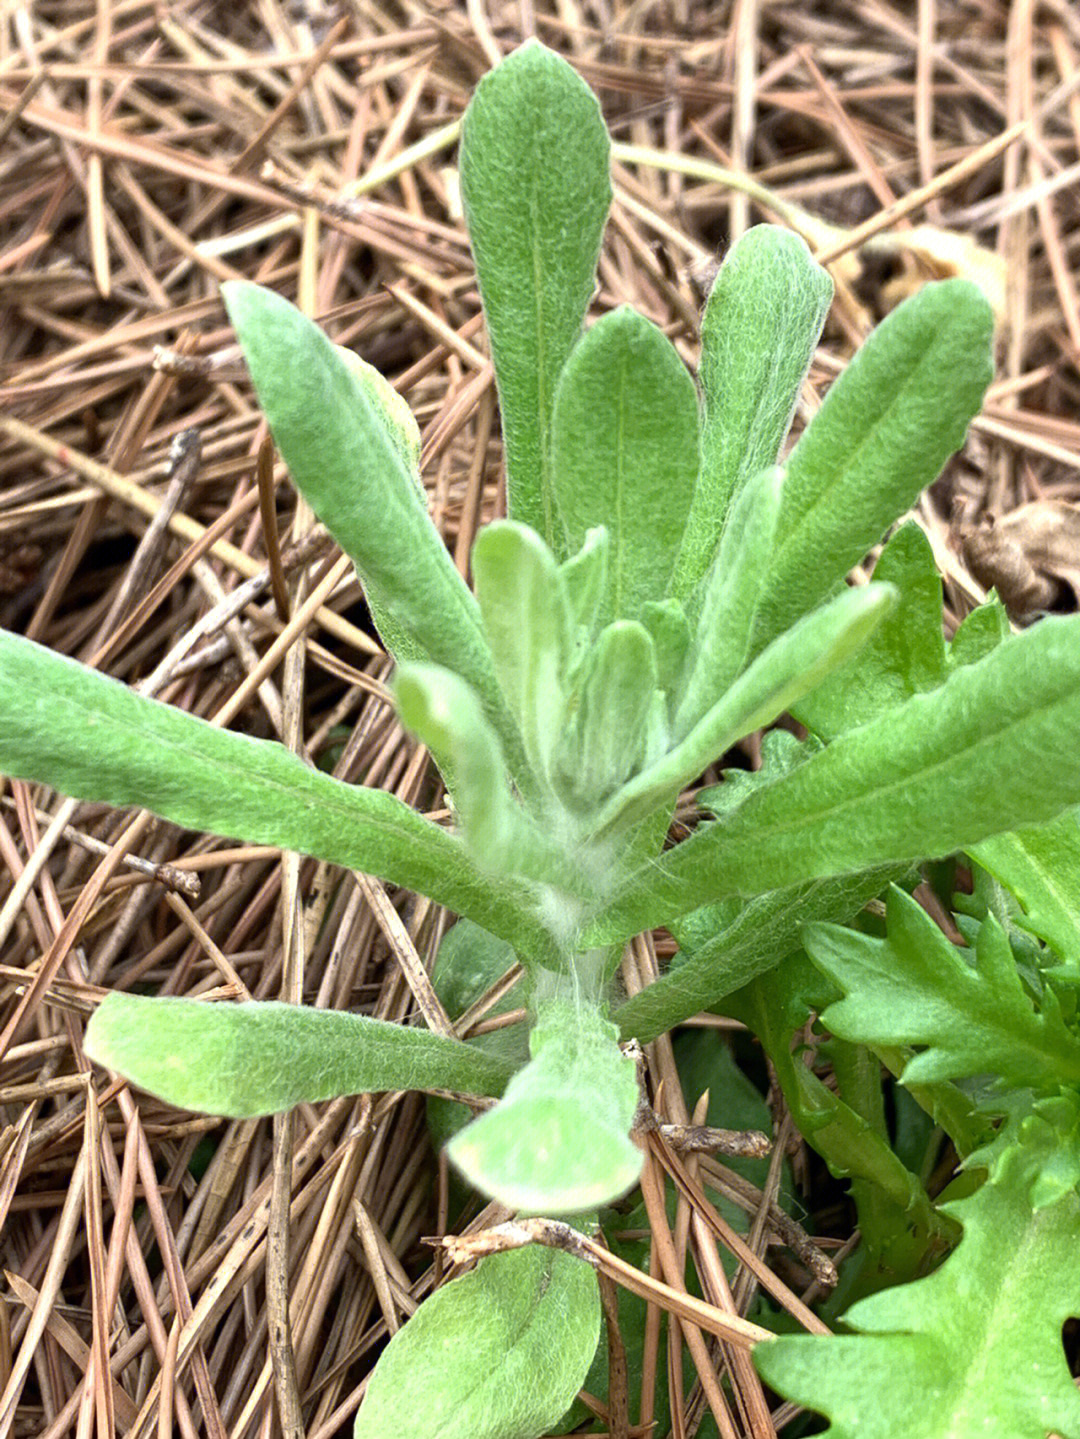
[{"x": 1031, "y": 556}]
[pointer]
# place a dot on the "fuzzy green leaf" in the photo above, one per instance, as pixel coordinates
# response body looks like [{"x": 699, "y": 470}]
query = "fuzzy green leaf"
[
  {"x": 755, "y": 940},
  {"x": 558, "y": 1143},
  {"x": 916, "y": 988},
  {"x": 886, "y": 428},
  {"x": 527, "y": 619},
  {"x": 792, "y": 664},
  {"x": 905, "y": 655},
  {"x": 975, "y": 1348},
  {"x": 1040, "y": 866},
  {"x": 330, "y": 421},
  {"x": 732, "y": 593},
  {"x": 93, "y": 738},
  {"x": 625, "y": 453},
  {"x": 989, "y": 750},
  {"x": 758, "y": 334},
  {"x": 536, "y": 186},
  {"x": 604, "y": 741},
  {"x": 241, "y": 1060},
  {"x": 497, "y": 1354}
]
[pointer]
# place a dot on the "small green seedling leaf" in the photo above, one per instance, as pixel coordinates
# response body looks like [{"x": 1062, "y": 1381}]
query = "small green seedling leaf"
[
  {"x": 605, "y": 739},
  {"x": 625, "y": 453},
  {"x": 1040, "y": 866},
  {"x": 991, "y": 749},
  {"x": 904, "y": 657},
  {"x": 96, "y": 739},
  {"x": 536, "y": 186},
  {"x": 761, "y": 325},
  {"x": 584, "y": 576},
  {"x": 886, "y": 428},
  {"x": 241, "y": 1060},
  {"x": 793, "y": 664},
  {"x": 731, "y": 594},
  {"x": 559, "y": 1141},
  {"x": 527, "y": 619},
  {"x": 915, "y": 988},
  {"x": 973, "y": 1349},
  {"x": 497, "y": 1354}
]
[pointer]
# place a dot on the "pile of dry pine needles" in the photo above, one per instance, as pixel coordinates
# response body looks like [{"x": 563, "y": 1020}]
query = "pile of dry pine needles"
[{"x": 150, "y": 151}]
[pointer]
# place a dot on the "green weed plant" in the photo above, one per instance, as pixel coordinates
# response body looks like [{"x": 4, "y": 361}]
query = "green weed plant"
[{"x": 665, "y": 584}]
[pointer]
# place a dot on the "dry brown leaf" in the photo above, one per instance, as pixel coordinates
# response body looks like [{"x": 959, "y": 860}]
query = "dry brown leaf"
[{"x": 1031, "y": 556}]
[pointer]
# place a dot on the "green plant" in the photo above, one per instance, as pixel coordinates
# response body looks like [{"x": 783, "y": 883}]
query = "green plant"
[{"x": 660, "y": 589}]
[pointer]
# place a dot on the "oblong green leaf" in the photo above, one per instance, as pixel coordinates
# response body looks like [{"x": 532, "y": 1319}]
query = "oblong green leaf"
[
  {"x": 761, "y": 325},
  {"x": 536, "y": 187},
  {"x": 559, "y": 1141},
  {"x": 625, "y": 453},
  {"x": 604, "y": 741},
  {"x": 497, "y": 1354},
  {"x": 731, "y": 593},
  {"x": 992, "y": 749},
  {"x": 241, "y": 1060},
  {"x": 526, "y": 617},
  {"x": 67, "y": 726},
  {"x": 886, "y": 428},
  {"x": 790, "y": 667}
]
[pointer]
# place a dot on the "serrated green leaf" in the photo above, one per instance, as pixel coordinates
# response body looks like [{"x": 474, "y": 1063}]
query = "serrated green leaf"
[
  {"x": 973, "y": 1349},
  {"x": 93, "y": 738},
  {"x": 536, "y": 186},
  {"x": 559, "y": 1141},
  {"x": 906, "y": 654},
  {"x": 915, "y": 988},
  {"x": 792, "y": 664},
  {"x": 241, "y": 1060},
  {"x": 497, "y": 1354},
  {"x": 1040, "y": 867},
  {"x": 886, "y": 428},
  {"x": 625, "y": 453},
  {"x": 980, "y": 632},
  {"x": 992, "y": 748},
  {"x": 731, "y": 593},
  {"x": 605, "y": 740},
  {"x": 527, "y": 621},
  {"x": 761, "y": 325}
]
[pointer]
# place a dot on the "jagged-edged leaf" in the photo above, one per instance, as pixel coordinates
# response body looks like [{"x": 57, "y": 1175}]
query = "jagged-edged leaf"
[
  {"x": 761, "y": 325},
  {"x": 536, "y": 186},
  {"x": 247, "y": 1059},
  {"x": 980, "y": 632},
  {"x": 604, "y": 741},
  {"x": 990, "y": 749},
  {"x": 93, "y": 738},
  {"x": 975, "y": 1348},
  {"x": 916, "y": 988},
  {"x": 497, "y": 1354},
  {"x": 625, "y": 453},
  {"x": 559, "y": 1141},
  {"x": 886, "y": 428},
  {"x": 1040, "y": 866},
  {"x": 792, "y": 664},
  {"x": 527, "y": 620},
  {"x": 904, "y": 656},
  {"x": 731, "y": 593}
]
